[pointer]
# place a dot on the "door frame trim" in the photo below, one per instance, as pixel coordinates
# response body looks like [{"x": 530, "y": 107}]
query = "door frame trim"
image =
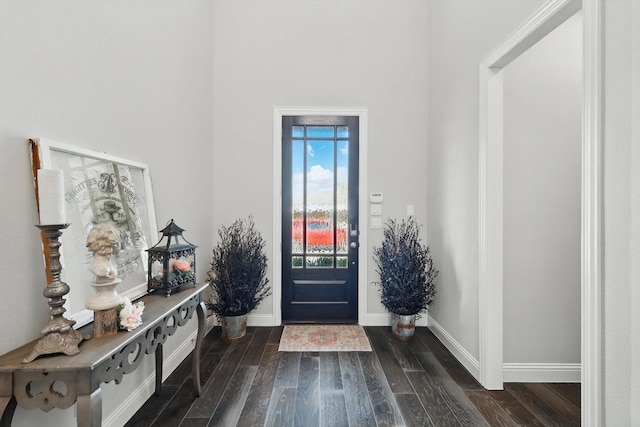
[
  {"x": 278, "y": 113},
  {"x": 550, "y": 15}
]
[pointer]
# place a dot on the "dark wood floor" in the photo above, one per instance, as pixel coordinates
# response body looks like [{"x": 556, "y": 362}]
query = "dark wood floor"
[{"x": 418, "y": 383}]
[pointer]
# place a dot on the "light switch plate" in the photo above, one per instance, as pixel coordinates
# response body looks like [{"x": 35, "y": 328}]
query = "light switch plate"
[
  {"x": 376, "y": 209},
  {"x": 376, "y": 197},
  {"x": 376, "y": 222}
]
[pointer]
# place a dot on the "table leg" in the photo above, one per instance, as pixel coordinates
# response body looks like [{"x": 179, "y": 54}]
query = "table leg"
[
  {"x": 200, "y": 309},
  {"x": 7, "y": 408},
  {"x": 159, "y": 360},
  {"x": 90, "y": 409}
]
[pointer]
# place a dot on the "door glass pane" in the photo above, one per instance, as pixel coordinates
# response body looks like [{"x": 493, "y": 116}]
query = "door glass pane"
[
  {"x": 341, "y": 262},
  {"x": 342, "y": 186},
  {"x": 297, "y": 131},
  {"x": 320, "y": 132},
  {"x": 297, "y": 195},
  {"x": 320, "y": 217},
  {"x": 320, "y": 192},
  {"x": 343, "y": 131},
  {"x": 319, "y": 261}
]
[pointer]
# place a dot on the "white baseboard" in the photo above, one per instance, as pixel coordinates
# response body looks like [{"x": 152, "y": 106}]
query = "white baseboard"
[
  {"x": 468, "y": 361},
  {"x": 512, "y": 372},
  {"x": 423, "y": 321},
  {"x": 376, "y": 319},
  {"x": 260, "y": 320},
  {"x": 541, "y": 372},
  {"x": 211, "y": 322},
  {"x": 132, "y": 404},
  {"x": 145, "y": 390},
  {"x": 371, "y": 319},
  {"x": 383, "y": 319}
]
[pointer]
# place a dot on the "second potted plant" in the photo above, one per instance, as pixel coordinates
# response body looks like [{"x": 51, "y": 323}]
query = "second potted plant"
[
  {"x": 406, "y": 272},
  {"x": 237, "y": 277}
]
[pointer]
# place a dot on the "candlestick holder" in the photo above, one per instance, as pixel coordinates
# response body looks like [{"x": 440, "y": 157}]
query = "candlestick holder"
[{"x": 58, "y": 336}]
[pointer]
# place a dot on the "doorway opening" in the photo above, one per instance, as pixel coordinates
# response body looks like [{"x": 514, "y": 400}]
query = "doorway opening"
[{"x": 548, "y": 17}]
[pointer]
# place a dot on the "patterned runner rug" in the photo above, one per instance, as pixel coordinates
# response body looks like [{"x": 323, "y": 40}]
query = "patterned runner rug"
[{"x": 324, "y": 338}]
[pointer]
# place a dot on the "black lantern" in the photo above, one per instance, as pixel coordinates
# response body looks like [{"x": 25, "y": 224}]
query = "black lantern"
[{"x": 172, "y": 261}]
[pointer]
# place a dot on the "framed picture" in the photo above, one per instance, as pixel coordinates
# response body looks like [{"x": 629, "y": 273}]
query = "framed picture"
[{"x": 100, "y": 188}]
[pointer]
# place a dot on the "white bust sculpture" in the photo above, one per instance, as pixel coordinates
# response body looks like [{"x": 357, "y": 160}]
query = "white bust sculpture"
[{"x": 103, "y": 241}]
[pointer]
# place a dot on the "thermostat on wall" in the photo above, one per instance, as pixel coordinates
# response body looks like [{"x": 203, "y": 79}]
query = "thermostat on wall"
[{"x": 375, "y": 197}]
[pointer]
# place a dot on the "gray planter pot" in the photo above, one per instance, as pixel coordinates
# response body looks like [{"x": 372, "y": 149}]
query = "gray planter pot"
[
  {"x": 403, "y": 326},
  {"x": 234, "y": 328}
]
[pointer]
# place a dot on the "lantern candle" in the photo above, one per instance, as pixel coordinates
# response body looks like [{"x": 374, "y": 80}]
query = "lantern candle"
[{"x": 51, "y": 196}]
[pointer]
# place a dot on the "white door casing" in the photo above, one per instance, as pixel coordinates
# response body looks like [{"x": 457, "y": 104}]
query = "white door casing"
[
  {"x": 548, "y": 17},
  {"x": 278, "y": 113}
]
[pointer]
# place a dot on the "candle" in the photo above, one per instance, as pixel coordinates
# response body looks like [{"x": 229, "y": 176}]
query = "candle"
[{"x": 51, "y": 196}]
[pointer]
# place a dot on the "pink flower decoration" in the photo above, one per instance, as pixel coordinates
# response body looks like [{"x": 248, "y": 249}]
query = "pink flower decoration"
[
  {"x": 181, "y": 265},
  {"x": 130, "y": 315}
]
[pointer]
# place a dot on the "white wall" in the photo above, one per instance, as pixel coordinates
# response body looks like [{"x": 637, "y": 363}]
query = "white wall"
[
  {"x": 542, "y": 199},
  {"x": 634, "y": 197},
  {"x": 621, "y": 314},
  {"x": 370, "y": 54},
  {"x": 132, "y": 79},
  {"x": 461, "y": 34}
]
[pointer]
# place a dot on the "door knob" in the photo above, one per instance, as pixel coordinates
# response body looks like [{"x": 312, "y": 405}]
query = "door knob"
[{"x": 354, "y": 245}]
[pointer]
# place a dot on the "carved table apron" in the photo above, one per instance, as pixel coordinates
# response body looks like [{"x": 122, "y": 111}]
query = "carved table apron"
[{"x": 58, "y": 381}]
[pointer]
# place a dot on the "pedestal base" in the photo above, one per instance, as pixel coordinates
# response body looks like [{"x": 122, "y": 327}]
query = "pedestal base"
[
  {"x": 56, "y": 342},
  {"x": 106, "y": 296},
  {"x": 105, "y": 322}
]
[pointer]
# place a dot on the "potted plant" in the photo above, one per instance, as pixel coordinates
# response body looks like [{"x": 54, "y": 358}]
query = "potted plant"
[
  {"x": 237, "y": 277},
  {"x": 406, "y": 275}
]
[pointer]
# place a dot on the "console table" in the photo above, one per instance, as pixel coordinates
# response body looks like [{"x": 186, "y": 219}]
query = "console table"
[{"x": 59, "y": 381}]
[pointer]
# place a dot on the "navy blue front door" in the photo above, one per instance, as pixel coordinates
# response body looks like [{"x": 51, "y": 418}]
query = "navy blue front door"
[{"x": 320, "y": 219}]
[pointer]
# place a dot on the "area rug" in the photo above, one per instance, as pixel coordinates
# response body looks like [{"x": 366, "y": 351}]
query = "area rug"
[{"x": 324, "y": 338}]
